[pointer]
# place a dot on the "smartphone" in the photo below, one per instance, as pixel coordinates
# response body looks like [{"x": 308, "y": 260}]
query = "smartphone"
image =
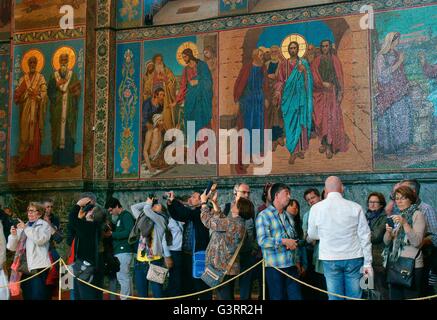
[
  {"x": 390, "y": 222},
  {"x": 208, "y": 188}
]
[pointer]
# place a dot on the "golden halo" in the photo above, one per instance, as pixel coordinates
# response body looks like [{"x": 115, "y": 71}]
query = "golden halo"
[
  {"x": 71, "y": 57},
  {"x": 294, "y": 37},
  {"x": 184, "y": 46},
  {"x": 32, "y": 53}
]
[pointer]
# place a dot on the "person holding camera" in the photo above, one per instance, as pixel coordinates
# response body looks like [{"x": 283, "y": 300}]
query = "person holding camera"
[
  {"x": 85, "y": 225},
  {"x": 405, "y": 240},
  {"x": 122, "y": 250},
  {"x": 31, "y": 241},
  {"x": 196, "y": 238},
  {"x": 278, "y": 239},
  {"x": 228, "y": 232},
  {"x": 250, "y": 249},
  {"x": 152, "y": 247}
]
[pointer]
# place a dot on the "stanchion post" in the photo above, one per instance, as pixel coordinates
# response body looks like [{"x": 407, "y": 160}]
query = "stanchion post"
[{"x": 60, "y": 280}]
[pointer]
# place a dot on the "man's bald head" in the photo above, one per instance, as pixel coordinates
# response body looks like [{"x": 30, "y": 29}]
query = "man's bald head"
[{"x": 333, "y": 184}]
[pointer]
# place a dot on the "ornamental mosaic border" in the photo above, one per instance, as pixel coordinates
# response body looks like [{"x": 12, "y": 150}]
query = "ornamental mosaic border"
[
  {"x": 111, "y": 111},
  {"x": 103, "y": 13},
  {"x": 253, "y": 20},
  {"x": 4, "y": 109},
  {"x": 102, "y": 103},
  {"x": 46, "y": 35}
]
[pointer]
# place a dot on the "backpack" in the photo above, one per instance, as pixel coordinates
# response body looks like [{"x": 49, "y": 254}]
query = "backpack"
[{"x": 143, "y": 226}]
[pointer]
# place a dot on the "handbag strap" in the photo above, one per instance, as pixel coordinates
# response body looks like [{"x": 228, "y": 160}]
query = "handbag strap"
[{"x": 230, "y": 264}]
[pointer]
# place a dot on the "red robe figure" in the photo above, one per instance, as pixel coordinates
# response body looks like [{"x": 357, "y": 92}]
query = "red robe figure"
[{"x": 328, "y": 93}]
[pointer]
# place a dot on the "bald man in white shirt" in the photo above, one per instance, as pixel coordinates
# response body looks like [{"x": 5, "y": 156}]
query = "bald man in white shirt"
[{"x": 344, "y": 235}]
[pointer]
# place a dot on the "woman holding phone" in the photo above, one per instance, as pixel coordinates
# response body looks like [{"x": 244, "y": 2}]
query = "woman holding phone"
[
  {"x": 31, "y": 241},
  {"x": 405, "y": 240}
]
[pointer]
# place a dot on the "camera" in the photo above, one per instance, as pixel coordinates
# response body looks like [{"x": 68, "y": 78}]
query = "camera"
[
  {"x": 15, "y": 222},
  {"x": 166, "y": 195},
  {"x": 209, "y": 187},
  {"x": 88, "y": 207}
]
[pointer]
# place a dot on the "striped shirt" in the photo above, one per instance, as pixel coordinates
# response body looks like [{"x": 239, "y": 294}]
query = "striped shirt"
[{"x": 270, "y": 231}]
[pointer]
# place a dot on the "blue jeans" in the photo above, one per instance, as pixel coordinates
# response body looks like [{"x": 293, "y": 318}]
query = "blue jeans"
[
  {"x": 343, "y": 277},
  {"x": 123, "y": 276},
  {"x": 141, "y": 282},
  {"x": 282, "y": 287},
  {"x": 174, "y": 288},
  {"x": 247, "y": 260},
  {"x": 226, "y": 292},
  {"x": 36, "y": 288}
]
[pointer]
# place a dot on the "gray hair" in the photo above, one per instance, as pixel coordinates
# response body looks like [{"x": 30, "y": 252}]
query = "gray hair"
[
  {"x": 90, "y": 195},
  {"x": 413, "y": 184}
]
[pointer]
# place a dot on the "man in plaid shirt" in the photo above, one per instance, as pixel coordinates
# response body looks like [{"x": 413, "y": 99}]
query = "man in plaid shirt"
[{"x": 278, "y": 241}]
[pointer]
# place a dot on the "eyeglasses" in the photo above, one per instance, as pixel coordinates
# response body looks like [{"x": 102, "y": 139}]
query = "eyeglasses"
[
  {"x": 374, "y": 202},
  {"x": 242, "y": 191},
  {"x": 400, "y": 198},
  {"x": 32, "y": 210}
]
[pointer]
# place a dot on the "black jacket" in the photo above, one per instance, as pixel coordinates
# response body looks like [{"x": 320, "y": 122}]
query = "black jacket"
[
  {"x": 87, "y": 237},
  {"x": 182, "y": 213}
]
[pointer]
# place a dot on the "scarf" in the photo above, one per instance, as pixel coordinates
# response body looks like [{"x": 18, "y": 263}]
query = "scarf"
[
  {"x": 373, "y": 215},
  {"x": 15, "y": 277},
  {"x": 401, "y": 239}
]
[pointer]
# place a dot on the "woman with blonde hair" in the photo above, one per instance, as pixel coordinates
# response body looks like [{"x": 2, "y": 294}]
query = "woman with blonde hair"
[{"x": 31, "y": 242}]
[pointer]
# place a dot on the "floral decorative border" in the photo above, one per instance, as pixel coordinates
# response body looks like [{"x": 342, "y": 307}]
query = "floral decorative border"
[
  {"x": 55, "y": 34},
  {"x": 253, "y": 20},
  {"x": 101, "y": 104},
  {"x": 4, "y": 108},
  {"x": 103, "y": 13}
]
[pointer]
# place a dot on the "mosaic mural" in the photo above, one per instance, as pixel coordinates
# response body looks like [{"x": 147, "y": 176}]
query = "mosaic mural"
[
  {"x": 301, "y": 81},
  {"x": 227, "y": 7},
  {"x": 5, "y": 19},
  {"x": 405, "y": 89},
  {"x": 129, "y": 13},
  {"x": 47, "y": 111},
  {"x": 179, "y": 82},
  {"x": 44, "y": 14}
]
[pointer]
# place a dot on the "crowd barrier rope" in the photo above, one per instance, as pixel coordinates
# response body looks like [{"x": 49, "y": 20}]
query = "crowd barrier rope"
[
  {"x": 62, "y": 262},
  {"x": 34, "y": 275},
  {"x": 339, "y": 295},
  {"x": 164, "y": 298}
]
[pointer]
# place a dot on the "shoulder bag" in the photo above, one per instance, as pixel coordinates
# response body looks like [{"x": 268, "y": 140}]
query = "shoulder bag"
[
  {"x": 157, "y": 273},
  {"x": 213, "y": 276},
  {"x": 402, "y": 271}
]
